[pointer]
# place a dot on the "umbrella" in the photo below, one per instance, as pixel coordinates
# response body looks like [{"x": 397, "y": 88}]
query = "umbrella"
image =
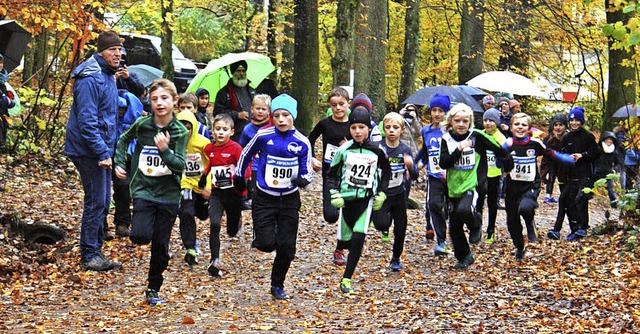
[
  {"x": 13, "y": 43},
  {"x": 145, "y": 73},
  {"x": 504, "y": 81},
  {"x": 477, "y": 93},
  {"x": 16, "y": 110},
  {"x": 216, "y": 74},
  {"x": 626, "y": 111},
  {"x": 423, "y": 96}
]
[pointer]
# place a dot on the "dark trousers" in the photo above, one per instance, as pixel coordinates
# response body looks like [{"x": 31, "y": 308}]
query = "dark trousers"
[
  {"x": 551, "y": 179},
  {"x": 493, "y": 187},
  {"x": 632, "y": 176},
  {"x": 192, "y": 205},
  {"x": 275, "y": 227},
  {"x": 578, "y": 203},
  {"x": 563, "y": 202},
  {"x": 437, "y": 204},
  {"x": 152, "y": 223},
  {"x": 520, "y": 200},
  {"x": 223, "y": 201},
  {"x": 330, "y": 212},
  {"x": 462, "y": 212},
  {"x": 96, "y": 183},
  {"x": 394, "y": 209}
]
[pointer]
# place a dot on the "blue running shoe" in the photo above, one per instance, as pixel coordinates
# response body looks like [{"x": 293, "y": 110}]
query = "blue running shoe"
[
  {"x": 153, "y": 299},
  {"x": 553, "y": 235},
  {"x": 278, "y": 293},
  {"x": 395, "y": 265}
]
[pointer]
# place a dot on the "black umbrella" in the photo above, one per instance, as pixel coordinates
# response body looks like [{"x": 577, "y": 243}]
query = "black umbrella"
[
  {"x": 423, "y": 96},
  {"x": 477, "y": 93},
  {"x": 13, "y": 43}
]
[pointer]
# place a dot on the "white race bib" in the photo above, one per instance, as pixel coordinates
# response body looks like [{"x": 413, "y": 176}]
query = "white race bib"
[
  {"x": 397, "y": 175},
  {"x": 434, "y": 161},
  {"x": 329, "y": 153},
  {"x": 491, "y": 159},
  {"x": 360, "y": 169},
  {"x": 524, "y": 169},
  {"x": 193, "y": 167},
  {"x": 279, "y": 171},
  {"x": 467, "y": 159},
  {"x": 222, "y": 176},
  {"x": 151, "y": 164}
]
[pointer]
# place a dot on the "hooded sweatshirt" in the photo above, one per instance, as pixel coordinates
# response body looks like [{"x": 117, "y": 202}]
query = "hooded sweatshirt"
[{"x": 196, "y": 159}]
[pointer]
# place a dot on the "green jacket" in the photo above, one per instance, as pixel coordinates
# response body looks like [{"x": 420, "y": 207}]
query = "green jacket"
[{"x": 155, "y": 176}]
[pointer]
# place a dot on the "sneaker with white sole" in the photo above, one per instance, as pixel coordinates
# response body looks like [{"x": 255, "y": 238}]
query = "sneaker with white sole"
[
  {"x": 153, "y": 299},
  {"x": 214, "y": 268}
]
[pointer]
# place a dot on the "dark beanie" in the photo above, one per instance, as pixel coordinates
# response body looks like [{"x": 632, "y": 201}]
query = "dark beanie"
[
  {"x": 361, "y": 100},
  {"x": 441, "y": 101},
  {"x": 577, "y": 113},
  {"x": 559, "y": 118},
  {"x": 107, "y": 39},
  {"x": 360, "y": 116},
  {"x": 233, "y": 67}
]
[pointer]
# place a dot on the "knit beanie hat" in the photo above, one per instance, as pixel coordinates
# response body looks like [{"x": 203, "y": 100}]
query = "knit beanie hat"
[
  {"x": 442, "y": 101},
  {"x": 107, "y": 39},
  {"x": 285, "y": 102},
  {"x": 360, "y": 116},
  {"x": 577, "y": 113},
  {"x": 361, "y": 100},
  {"x": 492, "y": 114},
  {"x": 513, "y": 103},
  {"x": 559, "y": 118},
  {"x": 488, "y": 99},
  {"x": 503, "y": 99},
  {"x": 233, "y": 67}
]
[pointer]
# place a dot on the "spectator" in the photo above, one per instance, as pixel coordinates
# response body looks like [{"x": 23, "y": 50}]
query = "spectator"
[{"x": 235, "y": 98}]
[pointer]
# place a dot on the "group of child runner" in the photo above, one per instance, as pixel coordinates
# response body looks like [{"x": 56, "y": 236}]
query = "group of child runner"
[{"x": 183, "y": 168}]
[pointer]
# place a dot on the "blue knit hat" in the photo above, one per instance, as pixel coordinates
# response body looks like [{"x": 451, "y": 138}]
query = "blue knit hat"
[
  {"x": 286, "y": 102},
  {"x": 577, "y": 113},
  {"x": 442, "y": 101}
]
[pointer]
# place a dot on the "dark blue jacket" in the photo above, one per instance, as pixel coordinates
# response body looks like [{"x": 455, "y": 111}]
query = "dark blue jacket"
[{"x": 91, "y": 130}]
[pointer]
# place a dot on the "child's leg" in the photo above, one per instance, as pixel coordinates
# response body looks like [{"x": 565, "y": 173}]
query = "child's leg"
[
  {"x": 437, "y": 202},
  {"x": 165, "y": 217},
  {"x": 382, "y": 218},
  {"x": 582, "y": 203},
  {"x": 399, "y": 216},
  {"x": 562, "y": 207},
  {"x": 232, "y": 206},
  {"x": 265, "y": 209},
  {"x": 493, "y": 183},
  {"x": 186, "y": 214},
  {"x": 571, "y": 190},
  {"x": 329, "y": 211},
  {"x": 215, "y": 217},
  {"x": 463, "y": 212},
  {"x": 287, "y": 236},
  {"x": 142, "y": 221},
  {"x": 513, "y": 220},
  {"x": 526, "y": 209},
  {"x": 611, "y": 193},
  {"x": 356, "y": 215}
]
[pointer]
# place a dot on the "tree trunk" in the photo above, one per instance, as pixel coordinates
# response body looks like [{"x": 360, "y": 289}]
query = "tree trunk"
[
  {"x": 272, "y": 51},
  {"x": 166, "y": 47},
  {"x": 516, "y": 49},
  {"x": 27, "y": 72},
  {"x": 342, "y": 61},
  {"x": 288, "y": 50},
  {"x": 306, "y": 58},
  {"x": 40, "y": 59},
  {"x": 618, "y": 94},
  {"x": 471, "y": 48},
  {"x": 411, "y": 49},
  {"x": 371, "y": 36}
]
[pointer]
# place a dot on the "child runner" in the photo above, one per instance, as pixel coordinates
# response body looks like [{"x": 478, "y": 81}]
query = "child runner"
[
  {"x": 158, "y": 159},
  {"x": 582, "y": 145},
  {"x": 284, "y": 165},
  {"x": 192, "y": 203},
  {"x": 608, "y": 162},
  {"x": 358, "y": 178},
  {"x": 223, "y": 155},
  {"x": 335, "y": 132},
  {"x": 428, "y": 156},
  {"x": 555, "y": 170},
  {"x": 523, "y": 182},
  {"x": 490, "y": 121},
  {"x": 202, "y": 114},
  {"x": 463, "y": 149},
  {"x": 189, "y": 102},
  {"x": 394, "y": 207}
]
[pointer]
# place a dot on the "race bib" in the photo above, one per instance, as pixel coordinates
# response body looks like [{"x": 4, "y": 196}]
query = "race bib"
[
  {"x": 397, "y": 175},
  {"x": 329, "y": 153},
  {"x": 434, "y": 161},
  {"x": 524, "y": 169},
  {"x": 360, "y": 169},
  {"x": 467, "y": 159},
  {"x": 151, "y": 164},
  {"x": 194, "y": 167},
  {"x": 279, "y": 171},
  {"x": 222, "y": 176},
  {"x": 491, "y": 159}
]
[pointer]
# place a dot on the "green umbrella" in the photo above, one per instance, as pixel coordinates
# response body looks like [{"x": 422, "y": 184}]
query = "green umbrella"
[{"x": 216, "y": 74}]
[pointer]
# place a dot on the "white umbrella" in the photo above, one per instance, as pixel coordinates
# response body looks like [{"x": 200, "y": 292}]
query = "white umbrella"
[{"x": 504, "y": 81}]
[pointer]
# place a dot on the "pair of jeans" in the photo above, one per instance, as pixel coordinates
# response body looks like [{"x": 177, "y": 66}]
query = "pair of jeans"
[{"x": 96, "y": 183}]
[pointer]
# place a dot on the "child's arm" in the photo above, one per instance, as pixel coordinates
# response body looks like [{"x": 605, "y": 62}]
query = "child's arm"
[
  {"x": 488, "y": 143},
  {"x": 313, "y": 136},
  {"x": 305, "y": 174},
  {"x": 447, "y": 160},
  {"x": 174, "y": 159}
]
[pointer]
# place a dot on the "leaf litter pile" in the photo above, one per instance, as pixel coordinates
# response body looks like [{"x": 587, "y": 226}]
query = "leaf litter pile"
[{"x": 561, "y": 287}]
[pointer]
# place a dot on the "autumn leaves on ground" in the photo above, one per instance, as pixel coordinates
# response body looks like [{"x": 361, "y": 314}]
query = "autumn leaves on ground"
[{"x": 590, "y": 286}]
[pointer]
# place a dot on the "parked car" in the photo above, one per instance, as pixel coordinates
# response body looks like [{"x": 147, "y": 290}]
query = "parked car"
[{"x": 145, "y": 49}]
